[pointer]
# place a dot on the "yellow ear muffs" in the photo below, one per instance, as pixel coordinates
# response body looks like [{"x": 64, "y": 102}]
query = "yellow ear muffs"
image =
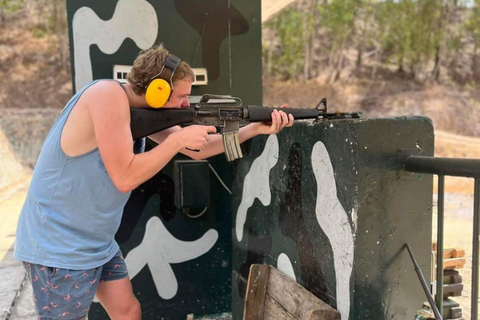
[{"x": 158, "y": 92}]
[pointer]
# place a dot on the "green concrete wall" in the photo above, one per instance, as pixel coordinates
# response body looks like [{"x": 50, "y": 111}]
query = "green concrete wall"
[
  {"x": 223, "y": 36},
  {"x": 329, "y": 205}
]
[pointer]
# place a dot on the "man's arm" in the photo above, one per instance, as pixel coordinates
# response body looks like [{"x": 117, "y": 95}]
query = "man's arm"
[
  {"x": 214, "y": 145},
  {"x": 109, "y": 109}
]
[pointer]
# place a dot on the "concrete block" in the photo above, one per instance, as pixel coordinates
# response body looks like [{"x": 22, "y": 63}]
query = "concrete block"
[{"x": 330, "y": 205}]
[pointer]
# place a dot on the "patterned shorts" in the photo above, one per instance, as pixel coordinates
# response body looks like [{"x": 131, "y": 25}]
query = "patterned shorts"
[{"x": 67, "y": 294}]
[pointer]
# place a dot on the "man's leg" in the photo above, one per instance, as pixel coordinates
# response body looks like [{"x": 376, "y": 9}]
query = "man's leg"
[
  {"x": 116, "y": 296},
  {"x": 115, "y": 291}
]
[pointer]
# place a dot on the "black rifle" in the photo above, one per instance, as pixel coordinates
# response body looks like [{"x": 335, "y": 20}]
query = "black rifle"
[{"x": 226, "y": 114}]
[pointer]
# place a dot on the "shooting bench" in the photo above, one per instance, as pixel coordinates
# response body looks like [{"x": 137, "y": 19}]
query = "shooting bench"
[{"x": 271, "y": 295}]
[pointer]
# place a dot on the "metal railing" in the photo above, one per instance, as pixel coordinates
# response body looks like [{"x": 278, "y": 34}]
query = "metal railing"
[{"x": 469, "y": 168}]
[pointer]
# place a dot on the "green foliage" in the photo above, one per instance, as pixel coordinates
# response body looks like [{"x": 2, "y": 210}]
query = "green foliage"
[
  {"x": 412, "y": 31},
  {"x": 52, "y": 15},
  {"x": 38, "y": 32},
  {"x": 11, "y": 6},
  {"x": 338, "y": 18},
  {"x": 287, "y": 24},
  {"x": 417, "y": 36},
  {"x": 472, "y": 24}
]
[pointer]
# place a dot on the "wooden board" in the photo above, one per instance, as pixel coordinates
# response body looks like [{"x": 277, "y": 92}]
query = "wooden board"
[
  {"x": 449, "y": 252},
  {"x": 275, "y": 311},
  {"x": 271, "y": 295},
  {"x": 452, "y": 253},
  {"x": 256, "y": 292},
  {"x": 324, "y": 315},
  {"x": 453, "y": 258},
  {"x": 454, "y": 263}
]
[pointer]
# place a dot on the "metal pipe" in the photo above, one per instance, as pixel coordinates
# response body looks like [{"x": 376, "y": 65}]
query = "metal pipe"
[
  {"x": 445, "y": 166},
  {"x": 475, "y": 249},
  {"x": 440, "y": 223},
  {"x": 424, "y": 284}
]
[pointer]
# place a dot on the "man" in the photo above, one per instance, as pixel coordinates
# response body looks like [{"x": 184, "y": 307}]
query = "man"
[{"x": 83, "y": 178}]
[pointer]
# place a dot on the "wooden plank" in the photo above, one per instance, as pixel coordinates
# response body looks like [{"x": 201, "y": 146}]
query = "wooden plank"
[
  {"x": 297, "y": 300},
  {"x": 456, "y": 312},
  {"x": 256, "y": 292},
  {"x": 451, "y": 272},
  {"x": 458, "y": 253},
  {"x": 452, "y": 287},
  {"x": 454, "y": 263},
  {"x": 324, "y": 315},
  {"x": 447, "y": 253},
  {"x": 451, "y": 253},
  {"x": 275, "y": 311}
]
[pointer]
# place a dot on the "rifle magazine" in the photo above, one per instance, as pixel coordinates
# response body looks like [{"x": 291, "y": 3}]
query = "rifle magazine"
[{"x": 231, "y": 144}]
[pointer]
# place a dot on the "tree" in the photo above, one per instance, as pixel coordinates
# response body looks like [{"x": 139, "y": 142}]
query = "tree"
[
  {"x": 338, "y": 18},
  {"x": 472, "y": 25}
]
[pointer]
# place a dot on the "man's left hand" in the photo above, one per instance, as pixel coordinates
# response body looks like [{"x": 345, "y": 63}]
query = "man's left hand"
[{"x": 280, "y": 120}]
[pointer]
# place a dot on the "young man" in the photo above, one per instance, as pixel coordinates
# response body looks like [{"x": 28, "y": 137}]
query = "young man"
[{"x": 82, "y": 180}]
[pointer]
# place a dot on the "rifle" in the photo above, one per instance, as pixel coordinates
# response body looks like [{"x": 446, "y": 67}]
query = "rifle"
[{"x": 225, "y": 113}]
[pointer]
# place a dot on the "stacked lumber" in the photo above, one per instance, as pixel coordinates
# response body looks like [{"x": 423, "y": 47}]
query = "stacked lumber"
[{"x": 453, "y": 260}]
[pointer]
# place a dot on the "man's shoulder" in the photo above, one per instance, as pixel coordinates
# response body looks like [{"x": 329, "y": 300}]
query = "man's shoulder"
[
  {"x": 105, "y": 91},
  {"x": 112, "y": 86}
]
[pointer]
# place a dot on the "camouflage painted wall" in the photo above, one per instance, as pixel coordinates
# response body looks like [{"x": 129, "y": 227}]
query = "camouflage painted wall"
[
  {"x": 223, "y": 36},
  {"x": 329, "y": 205}
]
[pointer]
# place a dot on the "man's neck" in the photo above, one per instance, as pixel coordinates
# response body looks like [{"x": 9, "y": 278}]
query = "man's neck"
[{"x": 133, "y": 99}]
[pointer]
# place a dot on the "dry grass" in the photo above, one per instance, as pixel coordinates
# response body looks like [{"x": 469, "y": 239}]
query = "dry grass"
[{"x": 30, "y": 72}]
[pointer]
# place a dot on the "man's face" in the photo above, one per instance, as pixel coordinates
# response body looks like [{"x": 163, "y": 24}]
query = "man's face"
[{"x": 180, "y": 93}]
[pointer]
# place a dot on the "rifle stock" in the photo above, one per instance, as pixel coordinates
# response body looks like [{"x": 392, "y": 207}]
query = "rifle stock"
[{"x": 144, "y": 122}]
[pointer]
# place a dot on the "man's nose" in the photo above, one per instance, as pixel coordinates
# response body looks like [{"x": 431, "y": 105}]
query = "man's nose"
[{"x": 186, "y": 104}]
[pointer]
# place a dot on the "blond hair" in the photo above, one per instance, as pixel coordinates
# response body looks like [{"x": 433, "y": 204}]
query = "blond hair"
[{"x": 149, "y": 63}]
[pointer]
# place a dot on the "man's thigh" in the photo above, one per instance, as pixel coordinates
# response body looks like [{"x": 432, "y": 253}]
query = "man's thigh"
[
  {"x": 115, "y": 290},
  {"x": 62, "y": 293}
]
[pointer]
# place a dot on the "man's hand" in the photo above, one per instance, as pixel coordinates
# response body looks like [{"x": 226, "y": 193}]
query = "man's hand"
[
  {"x": 194, "y": 137},
  {"x": 280, "y": 120}
]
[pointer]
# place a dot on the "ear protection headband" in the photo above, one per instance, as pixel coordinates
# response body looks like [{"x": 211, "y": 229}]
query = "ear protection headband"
[{"x": 159, "y": 90}]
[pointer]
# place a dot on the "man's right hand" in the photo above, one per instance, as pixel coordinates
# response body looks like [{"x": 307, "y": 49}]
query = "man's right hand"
[{"x": 194, "y": 137}]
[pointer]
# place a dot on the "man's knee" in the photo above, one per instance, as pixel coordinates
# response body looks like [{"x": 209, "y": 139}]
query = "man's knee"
[{"x": 130, "y": 311}]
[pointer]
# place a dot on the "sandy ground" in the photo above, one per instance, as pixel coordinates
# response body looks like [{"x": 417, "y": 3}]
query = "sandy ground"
[{"x": 14, "y": 181}]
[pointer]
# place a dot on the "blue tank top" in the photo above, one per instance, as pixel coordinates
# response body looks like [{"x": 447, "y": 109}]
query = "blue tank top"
[{"x": 72, "y": 209}]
